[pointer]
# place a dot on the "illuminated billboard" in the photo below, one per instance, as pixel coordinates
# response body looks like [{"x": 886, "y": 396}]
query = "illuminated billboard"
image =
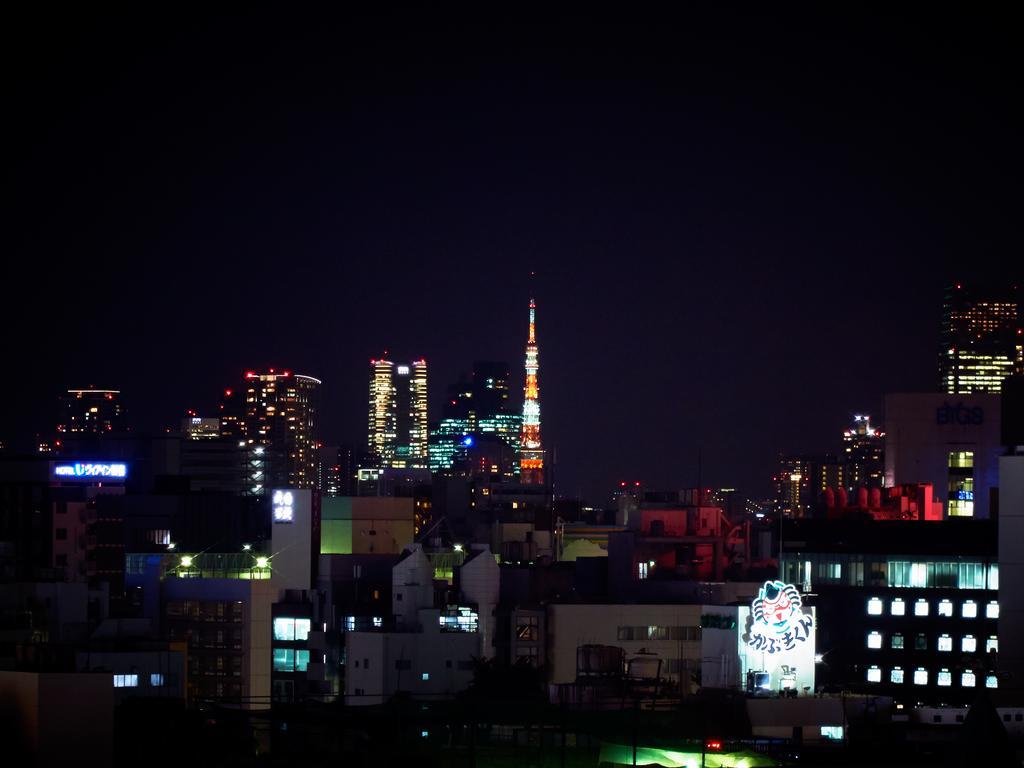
[
  {"x": 89, "y": 470},
  {"x": 777, "y": 641},
  {"x": 284, "y": 506}
]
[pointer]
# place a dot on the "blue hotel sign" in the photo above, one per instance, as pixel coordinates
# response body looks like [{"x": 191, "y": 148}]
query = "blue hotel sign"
[
  {"x": 90, "y": 470},
  {"x": 959, "y": 414}
]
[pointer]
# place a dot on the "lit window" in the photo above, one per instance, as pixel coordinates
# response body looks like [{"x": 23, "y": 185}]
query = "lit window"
[
  {"x": 156, "y": 680},
  {"x": 991, "y": 682},
  {"x": 126, "y": 681},
  {"x": 969, "y": 609},
  {"x": 944, "y": 677},
  {"x": 875, "y": 607},
  {"x": 302, "y": 627},
  {"x": 921, "y": 608},
  {"x": 945, "y": 643},
  {"x": 350, "y": 623},
  {"x": 945, "y": 608},
  {"x": 968, "y": 679},
  {"x": 897, "y": 641},
  {"x": 896, "y": 675},
  {"x": 284, "y": 629},
  {"x": 874, "y": 675},
  {"x": 301, "y": 661},
  {"x": 920, "y": 676},
  {"x": 899, "y": 608},
  {"x": 919, "y": 574},
  {"x": 378, "y": 621},
  {"x": 992, "y": 610},
  {"x": 968, "y": 644},
  {"x": 284, "y": 660},
  {"x": 425, "y": 676},
  {"x": 992, "y": 644},
  {"x": 874, "y": 640},
  {"x": 641, "y": 570},
  {"x": 834, "y": 732}
]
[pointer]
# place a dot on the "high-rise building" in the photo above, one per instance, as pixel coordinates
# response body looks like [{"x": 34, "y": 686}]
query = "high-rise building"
[
  {"x": 863, "y": 454},
  {"x": 475, "y": 417},
  {"x": 398, "y": 427},
  {"x": 793, "y": 486},
  {"x": 91, "y": 412},
  {"x": 276, "y": 415},
  {"x": 982, "y": 339},
  {"x": 531, "y": 458}
]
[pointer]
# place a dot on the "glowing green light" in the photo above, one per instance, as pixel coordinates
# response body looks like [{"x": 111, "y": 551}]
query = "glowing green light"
[
  {"x": 262, "y": 562},
  {"x": 186, "y": 561}
]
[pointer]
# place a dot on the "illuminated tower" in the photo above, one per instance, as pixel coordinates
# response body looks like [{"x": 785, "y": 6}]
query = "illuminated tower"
[
  {"x": 398, "y": 427},
  {"x": 531, "y": 459}
]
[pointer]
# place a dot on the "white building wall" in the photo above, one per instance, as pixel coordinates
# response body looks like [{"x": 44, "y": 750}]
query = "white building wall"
[
  {"x": 480, "y": 582},
  {"x": 412, "y": 587},
  {"x": 429, "y": 664}
]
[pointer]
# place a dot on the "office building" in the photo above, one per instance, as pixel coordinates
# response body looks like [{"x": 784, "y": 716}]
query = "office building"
[
  {"x": 196, "y": 427},
  {"x": 398, "y": 426},
  {"x": 276, "y": 416},
  {"x": 906, "y": 608},
  {"x": 981, "y": 340},
  {"x": 91, "y": 412},
  {"x": 950, "y": 442},
  {"x": 1011, "y": 534},
  {"x": 863, "y": 455},
  {"x": 477, "y": 433},
  {"x": 793, "y": 486},
  {"x": 531, "y": 458}
]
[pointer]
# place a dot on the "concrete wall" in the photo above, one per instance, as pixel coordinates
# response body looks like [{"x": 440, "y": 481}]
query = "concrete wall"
[
  {"x": 570, "y": 626},
  {"x": 920, "y": 432},
  {"x": 366, "y": 525},
  {"x": 480, "y": 582},
  {"x": 412, "y": 587},
  {"x": 292, "y": 543}
]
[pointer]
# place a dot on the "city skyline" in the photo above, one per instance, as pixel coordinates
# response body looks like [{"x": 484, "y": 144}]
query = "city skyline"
[
  {"x": 410, "y": 387},
  {"x": 705, "y": 238}
]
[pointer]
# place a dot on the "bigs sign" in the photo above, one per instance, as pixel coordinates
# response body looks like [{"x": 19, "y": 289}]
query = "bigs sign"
[{"x": 959, "y": 414}]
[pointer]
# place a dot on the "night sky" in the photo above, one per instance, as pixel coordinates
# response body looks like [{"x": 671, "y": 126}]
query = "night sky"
[{"x": 741, "y": 225}]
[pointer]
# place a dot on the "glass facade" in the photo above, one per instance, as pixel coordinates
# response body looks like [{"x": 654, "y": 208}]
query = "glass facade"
[{"x": 865, "y": 571}]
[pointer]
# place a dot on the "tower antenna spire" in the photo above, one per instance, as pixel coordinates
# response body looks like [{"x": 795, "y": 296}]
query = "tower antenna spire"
[{"x": 531, "y": 459}]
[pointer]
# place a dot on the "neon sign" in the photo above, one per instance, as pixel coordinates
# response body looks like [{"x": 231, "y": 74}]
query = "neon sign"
[
  {"x": 90, "y": 469},
  {"x": 778, "y": 621},
  {"x": 284, "y": 506}
]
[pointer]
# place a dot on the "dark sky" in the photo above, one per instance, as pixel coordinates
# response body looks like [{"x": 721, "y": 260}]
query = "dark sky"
[{"x": 741, "y": 225}]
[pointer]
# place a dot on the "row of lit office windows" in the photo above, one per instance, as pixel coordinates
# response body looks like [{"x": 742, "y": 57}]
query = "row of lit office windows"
[
  {"x": 156, "y": 680},
  {"x": 944, "y": 677},
  {"x": 858, "y": 571},
  {"x": 898, "y": 607},
  {"x": 968, "y": 643}
]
